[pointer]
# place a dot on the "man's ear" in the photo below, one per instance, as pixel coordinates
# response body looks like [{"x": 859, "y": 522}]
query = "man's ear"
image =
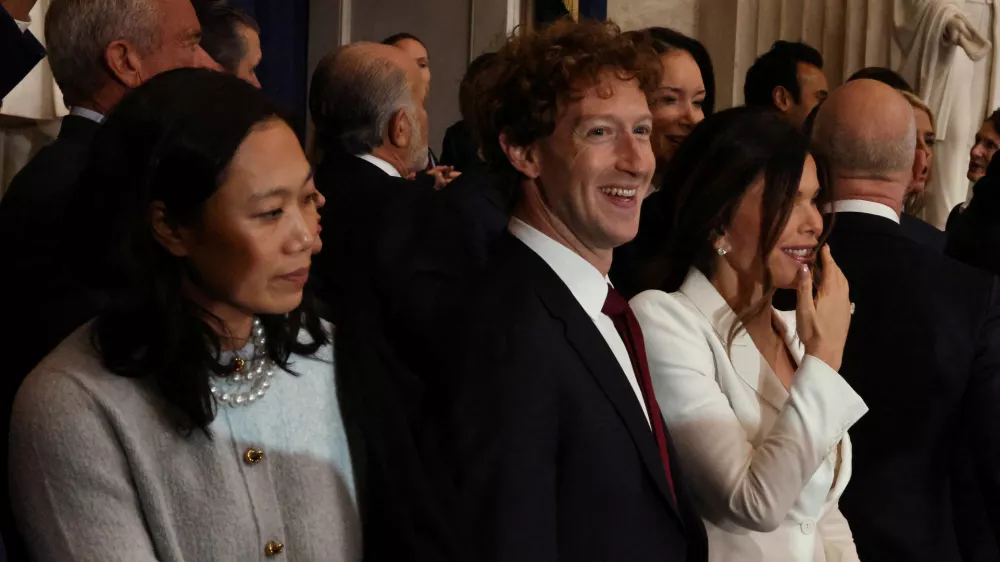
[
  {"x": 167, "y": 233},
  {"x": 782, "y": 98},
  {"x": 124, "y": 63},
  {"x": 523, "y": 158},
  {"x": 400, "y": 129}
]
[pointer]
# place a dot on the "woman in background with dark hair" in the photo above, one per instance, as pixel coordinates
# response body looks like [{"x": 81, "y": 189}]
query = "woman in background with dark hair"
[
  {"x": 415, "y": 48},
  {"x": 687, "y": 90},
  {"x": 751, "y": 396},
  {"x": 685, "y": 97},
  {"x": 196, "y": 418}
]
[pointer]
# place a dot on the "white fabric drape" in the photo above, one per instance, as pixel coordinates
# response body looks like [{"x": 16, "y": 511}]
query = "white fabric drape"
[
  {"x": 37, "y": 104},
  {"x": 853, "y": 34},
  {"x": 850, "y": 34}
]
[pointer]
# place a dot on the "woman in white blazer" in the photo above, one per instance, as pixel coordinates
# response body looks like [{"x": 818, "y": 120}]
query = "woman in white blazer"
[{"x": 755, "y": 407}]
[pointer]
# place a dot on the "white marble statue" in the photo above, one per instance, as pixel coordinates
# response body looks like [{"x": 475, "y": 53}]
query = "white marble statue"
[{"x": 947, "y": 49}]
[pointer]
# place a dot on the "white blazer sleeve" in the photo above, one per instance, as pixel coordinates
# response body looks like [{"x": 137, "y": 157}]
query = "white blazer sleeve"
[
  {"x": 838, "y": 542},
  {"x": 755, "y": 489}
]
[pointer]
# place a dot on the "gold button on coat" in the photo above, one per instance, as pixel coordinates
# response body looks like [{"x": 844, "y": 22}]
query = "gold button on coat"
[
  {"x": 273, "y": 548},
  {"x": 253, "y": 456}
]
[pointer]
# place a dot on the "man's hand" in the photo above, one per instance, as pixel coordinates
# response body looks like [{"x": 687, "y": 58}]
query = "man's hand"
[
  {"x": 443, "y": 175},
  {"x": 18, "y": 9}
]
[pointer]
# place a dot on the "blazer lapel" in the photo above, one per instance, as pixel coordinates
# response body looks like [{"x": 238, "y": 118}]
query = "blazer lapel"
[
  {"x": 601, "y": 363},
  {"x": 747, "y": 361}
]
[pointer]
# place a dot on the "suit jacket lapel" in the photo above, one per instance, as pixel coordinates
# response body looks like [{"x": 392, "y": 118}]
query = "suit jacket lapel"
[
  {"x": 600, "y": 362},
  {"x": 746, "y": 359}
]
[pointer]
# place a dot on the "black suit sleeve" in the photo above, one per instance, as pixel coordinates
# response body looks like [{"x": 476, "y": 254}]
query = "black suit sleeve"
[
  {"x": 506, "y": 426},
  {"x": 982, "y": 399},
  {"x": 19, "y": 53},
  {"x": 449, "y": 152}
]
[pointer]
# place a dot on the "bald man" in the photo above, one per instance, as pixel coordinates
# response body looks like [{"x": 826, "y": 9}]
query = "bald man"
[
  {"x": 367, "y": 102},
  {"x": 924, "y": 346}
]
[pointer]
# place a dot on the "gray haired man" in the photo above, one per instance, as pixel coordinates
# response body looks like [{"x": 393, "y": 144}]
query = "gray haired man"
[
  {"x": 367, "y": 102},
  {"x": 98, "y": 51}
]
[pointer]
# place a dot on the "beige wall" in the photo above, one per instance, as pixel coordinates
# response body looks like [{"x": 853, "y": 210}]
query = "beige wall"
[
  {"x": 681, "y": 15},
  {"x": 443, "y": 25}
]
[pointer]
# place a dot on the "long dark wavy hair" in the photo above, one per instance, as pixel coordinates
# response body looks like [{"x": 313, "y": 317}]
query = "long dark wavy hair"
[
  {"x": 171, "y": 141},
  {"x": 703, "y": 187}
]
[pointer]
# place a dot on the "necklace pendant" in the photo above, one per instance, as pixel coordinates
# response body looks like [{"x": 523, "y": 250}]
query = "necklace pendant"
[{"x": 238, "y": 364}]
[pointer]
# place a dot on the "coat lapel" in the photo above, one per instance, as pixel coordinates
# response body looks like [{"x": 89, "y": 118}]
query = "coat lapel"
[
  {"x": 747, "y": 361},
  {"x": 594, "y": 352}
]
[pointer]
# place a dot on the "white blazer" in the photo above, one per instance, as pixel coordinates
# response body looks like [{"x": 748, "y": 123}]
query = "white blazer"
[{"x": 763, "y": 463}]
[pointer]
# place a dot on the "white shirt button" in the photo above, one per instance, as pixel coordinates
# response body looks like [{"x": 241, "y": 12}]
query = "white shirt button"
[{"x": 808, "y": 526}]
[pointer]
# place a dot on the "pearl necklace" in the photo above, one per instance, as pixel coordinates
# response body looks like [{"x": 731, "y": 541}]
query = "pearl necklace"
[{"x": 256, "y": 373}]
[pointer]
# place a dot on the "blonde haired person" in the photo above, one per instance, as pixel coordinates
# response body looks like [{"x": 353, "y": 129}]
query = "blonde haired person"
[{"x": 923, "y": 162}]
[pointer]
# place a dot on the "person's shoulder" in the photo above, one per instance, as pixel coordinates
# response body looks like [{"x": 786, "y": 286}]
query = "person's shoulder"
[
  {"x": 656, "y": 302},
  {"x": 668, "y": 312},
  {"x": 52, "y": 172},
  {"x": 73, "y": 381},
  {"x": 506, "y": 292}
]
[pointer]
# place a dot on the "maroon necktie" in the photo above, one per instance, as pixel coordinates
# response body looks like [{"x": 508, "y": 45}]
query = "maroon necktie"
[{"x": 616, "y": 307}]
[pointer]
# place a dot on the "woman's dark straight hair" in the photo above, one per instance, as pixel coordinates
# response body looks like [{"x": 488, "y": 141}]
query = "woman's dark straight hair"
[
  {"x": 169, "y": 141},
  {"x": 666, "y": 40},
  {"x": 704, "y": 184}
]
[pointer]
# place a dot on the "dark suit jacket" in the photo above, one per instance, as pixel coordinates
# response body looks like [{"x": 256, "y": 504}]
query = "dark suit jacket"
[
  {"x": 19, "y": 53},
  {"x": 368, "y": 224},
  {"x": 407, "y": 496},
  {"x": 974, "y": 234},
  {"x": 461, "y": 149},
  {"x": 923, "y": 233},
  {"x": 449, "y": 255},
  {"x": 911, "y": 227},
  {"x": 554, "y": 458},
  {"x": 38, "y": 298},
  {"x": 924, "y": 354}
]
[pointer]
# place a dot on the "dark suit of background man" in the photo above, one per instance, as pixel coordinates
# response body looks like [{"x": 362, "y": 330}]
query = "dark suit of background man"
[
  {"x": 452, "y": 245},
  {"x": 559, "y": 454},
  {"x": 367, "y": 102},
  {"x": 19, "y": 50},
  {"x": 94, "y": 64},
  {"x": 974, "y": 238},
  {"x": 924, "y": 346}
]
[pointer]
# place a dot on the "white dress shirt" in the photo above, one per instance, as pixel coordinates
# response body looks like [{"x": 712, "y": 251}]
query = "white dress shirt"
[
  {"x": 862, "y": 206},
  {"x": 382, "y": 165},
  {"x": 23, "y": 25},
  {"x": 87, "y": 114},
  {"x": 767, "y": 465},
  {"x": 589, "y": 288}
]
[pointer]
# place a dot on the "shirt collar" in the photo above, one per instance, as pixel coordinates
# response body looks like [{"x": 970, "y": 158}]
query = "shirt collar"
[
  {"x": 588, "y": 286},
  {"x": 382, "y": 165},
  {"x": 861, "y": 206},
  {"x": 87, "y": 114},
  {"x": 23, "y": 25}
]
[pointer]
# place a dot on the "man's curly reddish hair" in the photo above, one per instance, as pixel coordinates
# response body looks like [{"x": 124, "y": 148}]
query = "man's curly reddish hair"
[{"x": 537, "y": 72}]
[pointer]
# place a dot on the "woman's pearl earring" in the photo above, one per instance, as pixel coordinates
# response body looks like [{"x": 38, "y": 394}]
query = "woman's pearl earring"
[{"x": 721, "y": 251}]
